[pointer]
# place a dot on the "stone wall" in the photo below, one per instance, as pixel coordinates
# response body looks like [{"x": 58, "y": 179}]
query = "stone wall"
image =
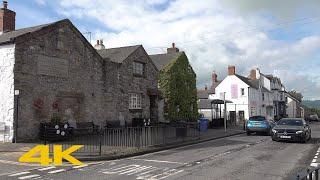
[
  {"x": 58, "y": 74},
  {"x": 129, "y": 83},
  {"x": 6, "y": 89}
]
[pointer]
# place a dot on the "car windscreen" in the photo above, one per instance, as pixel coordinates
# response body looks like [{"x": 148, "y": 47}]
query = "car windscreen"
[
  {"x": 290, "y": 122},
  {"x": 257, "y": 119}
]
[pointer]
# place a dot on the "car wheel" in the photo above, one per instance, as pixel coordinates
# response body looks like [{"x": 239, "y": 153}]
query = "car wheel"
[
  {"x": 248, "y": 133},
  {"x": 274, "y": 139}
]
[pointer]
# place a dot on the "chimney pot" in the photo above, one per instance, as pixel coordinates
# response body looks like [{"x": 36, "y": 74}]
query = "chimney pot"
[
  {"x": 5, "y": 4},
  {"x": 173, "y": 49},
  {"x": 98, "y": 42},
  {"x": 231, "y": 70},
  {"x": 214, "y": 77}
]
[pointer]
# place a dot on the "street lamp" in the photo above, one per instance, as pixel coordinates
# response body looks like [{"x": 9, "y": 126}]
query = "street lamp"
[{"x": 16, "y": 94}]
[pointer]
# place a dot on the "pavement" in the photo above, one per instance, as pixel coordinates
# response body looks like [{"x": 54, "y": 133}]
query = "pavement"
[{"x": 234, "y": 157}]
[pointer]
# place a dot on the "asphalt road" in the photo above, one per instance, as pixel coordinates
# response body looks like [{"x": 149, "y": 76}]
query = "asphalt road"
[{"x": 237, "y": 157}]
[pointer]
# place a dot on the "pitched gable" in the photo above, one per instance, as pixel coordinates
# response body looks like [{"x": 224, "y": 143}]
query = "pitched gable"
[{"x": 119, "y": 54}]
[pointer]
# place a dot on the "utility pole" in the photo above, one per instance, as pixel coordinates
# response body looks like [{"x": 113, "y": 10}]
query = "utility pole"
[{"x": 225, "y": 112}]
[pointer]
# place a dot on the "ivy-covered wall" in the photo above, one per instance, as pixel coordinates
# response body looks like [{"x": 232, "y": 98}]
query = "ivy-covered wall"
[{"x": 177, "y": 82}]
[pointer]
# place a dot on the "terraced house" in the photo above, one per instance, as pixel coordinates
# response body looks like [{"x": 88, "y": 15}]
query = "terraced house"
[
  {"x": 134, "y": 84},
  {"x": 177, "y": 83}
]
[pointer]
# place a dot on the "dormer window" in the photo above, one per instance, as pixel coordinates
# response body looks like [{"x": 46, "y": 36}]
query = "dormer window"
[{"x": 138, "y": 68}]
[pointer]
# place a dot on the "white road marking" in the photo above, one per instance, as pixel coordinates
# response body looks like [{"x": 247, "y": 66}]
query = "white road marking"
[
  {"x": 56, "y": 171},
  {"x": 29, "y": 177},
  {"x": 314, "y": 160},
  {"x": 317, "y": 154},
  {"x": 120, "y": 169},
  {"x": 81, "y": 166},
  {"x": 159, "y": 161},
  {"x": 138, "y": 171},
  {"x": 164, "y": 174},
  {"x": 314, "y": 164},
  {"x": 315, "y": 157},
  {"x": 152, "y": 169},
  {"x": 171, "y": 174},
  {"x": 46, "y": 168},
  {"x": 18, "y": 163},
  {"x": 21, "y": 173}
]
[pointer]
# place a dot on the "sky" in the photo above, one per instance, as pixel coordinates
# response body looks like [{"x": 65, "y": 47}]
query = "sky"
[{"x": 278, "y": 37}]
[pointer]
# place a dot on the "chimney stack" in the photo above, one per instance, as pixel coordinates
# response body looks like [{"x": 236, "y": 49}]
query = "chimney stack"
[
  {"x": 214, "y": 77},
  {"x": 7, "y": 18},
  {"x": 173, "y": 49},
  {"x": 231, "y": 70},
  {"x": 253, "y": 74},
  {"x": 99, "y": 45}
]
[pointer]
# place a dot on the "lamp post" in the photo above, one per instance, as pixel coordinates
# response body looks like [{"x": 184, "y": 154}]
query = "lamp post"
[{"x": 16, "y": 94}]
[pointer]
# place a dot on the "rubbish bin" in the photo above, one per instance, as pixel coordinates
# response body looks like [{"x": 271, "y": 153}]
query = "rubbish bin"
[{"x": 203, "y": 124}]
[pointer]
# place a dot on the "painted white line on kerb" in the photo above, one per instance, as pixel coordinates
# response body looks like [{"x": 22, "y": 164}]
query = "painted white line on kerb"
[
  {"x": 159, "y": 161},
  {"x": 314, "y": 160},
  {"x": 46, "y": 168},
  {"x": 77, "y": 167},
  {"x": 56, "y": 171},
  {"x": 29, "y": 177},
  {"x": 315, "y": 157},
  {"x": 314, "y": 164},
  {"x": 18, "y": 174}
]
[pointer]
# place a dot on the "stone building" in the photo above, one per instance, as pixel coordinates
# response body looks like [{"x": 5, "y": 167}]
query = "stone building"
[
  {"x": 134, "y": 91},
  {"x": 177, "y": 83},
  {"x": 57, "y": 73}
]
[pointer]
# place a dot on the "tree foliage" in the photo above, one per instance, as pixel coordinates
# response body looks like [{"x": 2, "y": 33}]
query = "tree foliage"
[{"x": 177, "y": 82}]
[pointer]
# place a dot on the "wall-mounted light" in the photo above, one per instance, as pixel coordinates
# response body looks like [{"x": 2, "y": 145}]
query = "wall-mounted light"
[{"x": 16, "y": 92}]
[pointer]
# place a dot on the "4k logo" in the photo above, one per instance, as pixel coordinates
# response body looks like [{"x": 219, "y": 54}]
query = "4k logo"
[{"x": 44, "y": 158}]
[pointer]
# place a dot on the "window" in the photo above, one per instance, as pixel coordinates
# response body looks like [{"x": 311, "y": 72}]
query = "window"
[
  {"x": 242, "y": 91},
  {"x": 262, "y": 96},
  {"x": 138, "y": 68},
  {"x": 135, "y": 101}
]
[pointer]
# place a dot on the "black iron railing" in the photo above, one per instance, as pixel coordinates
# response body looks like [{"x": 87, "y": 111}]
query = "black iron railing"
[
  {"x": 310, "y": 174},
  {"x": 101, "y": 141}
]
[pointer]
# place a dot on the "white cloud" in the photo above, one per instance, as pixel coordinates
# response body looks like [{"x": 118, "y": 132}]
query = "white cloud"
[
  {"x": 41, "y": 2},
  {"x": 212, "y": 36}
]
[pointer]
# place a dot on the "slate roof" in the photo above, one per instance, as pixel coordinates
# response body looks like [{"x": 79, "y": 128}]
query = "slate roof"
[
  {"x": 251, "y": 83},
  {"x": 119, "y": 54},
  {"x": 204, "y": 104},
  {"x": 202, "y": 94},
  {"x": 9, "y": 37},
  {"x": 161, "y": 60}
]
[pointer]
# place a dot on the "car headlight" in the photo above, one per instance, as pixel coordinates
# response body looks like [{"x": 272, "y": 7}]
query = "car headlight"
[
  {"x": 299, "y": 132},
  {"x": 274, "y": 131}
]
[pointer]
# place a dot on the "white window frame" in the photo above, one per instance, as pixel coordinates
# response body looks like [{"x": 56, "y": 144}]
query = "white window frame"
[
  {"x": 135, "y": 101},
  {"x": 138, "y": 68}
]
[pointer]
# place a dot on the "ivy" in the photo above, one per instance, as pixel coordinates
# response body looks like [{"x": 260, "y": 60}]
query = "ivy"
[{"x": 177, "y": 82}]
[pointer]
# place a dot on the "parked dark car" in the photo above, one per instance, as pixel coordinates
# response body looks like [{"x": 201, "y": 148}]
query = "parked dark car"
[
  {"x": 291, "y": 129},
  {"x": 259, "y": 124}
]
